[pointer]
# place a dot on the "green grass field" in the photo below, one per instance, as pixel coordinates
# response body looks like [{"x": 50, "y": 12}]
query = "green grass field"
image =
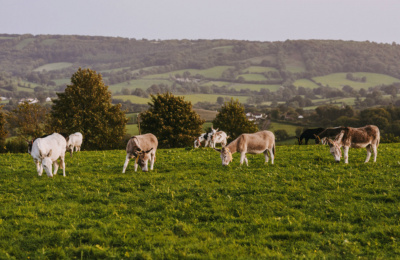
[
  {"x": 138, "y": 83},
  {"x": 290, "y": 129},
  {"x": 259, "y": 69},
  {"x": 338, "y": 80},
  {"x": 214, "y": 72},
  {"x": 190, "y": 206},
  {"x": 252, "y": 77},
  {"x": 54, "y": 66},
  {"x": 194, "y": 98},
  {"x": 305, "y": 83}
]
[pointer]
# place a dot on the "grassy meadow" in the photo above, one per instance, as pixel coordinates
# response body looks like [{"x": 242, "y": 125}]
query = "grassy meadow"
[{"x": 190, "y": 206}]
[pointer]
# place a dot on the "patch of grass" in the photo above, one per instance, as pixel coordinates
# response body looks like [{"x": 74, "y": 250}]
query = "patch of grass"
[
  {"x": 254, "y": 87},
  {"x": 137, "y": 83},
  {"x": 252, "y": 77},
  {"x": 207, "y": 115},
  {"x": 306, "y": 83},
  {"x": 190, "y": 206},
  {"x": 132, "y": 98},
  {"x": 132, "y": 129},
  {"x": 338, "y": 80},
  {"x": 54, "y": 66},
  {"x": 259, "y": 69},
  {"x": 214, "y": 72},
  {"x": 290, "y": 129},
  {"x": 24, "y": 43},
  {"x": 211, "y": 98}
]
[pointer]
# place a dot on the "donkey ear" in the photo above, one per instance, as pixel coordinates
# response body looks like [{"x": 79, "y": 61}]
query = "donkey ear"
[
  {"x": 330, "y": 142},
  {"x": 148, "y": 150},
  {"x": 49, "y": 154},
  {"x": 216, "y": 129},
  {"x": 218, "y": 150}
]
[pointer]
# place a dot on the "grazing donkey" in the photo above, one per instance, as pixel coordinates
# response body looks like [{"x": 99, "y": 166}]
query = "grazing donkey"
[
  {"x": 205, "y": 137},
  {"x": 364, "y": 137},
  {"x": 219, "y": 137},
  {"x": 74, "y": 142},
  {"x": 309, "y": 134},
  {"x": 143, "y": 148},
  {"x": 45, "y": 152},
  {"x": 260, "y": 142}
]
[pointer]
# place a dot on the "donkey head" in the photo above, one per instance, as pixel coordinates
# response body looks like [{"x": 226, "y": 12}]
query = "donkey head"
[
  {"x": 226, "y": 155},
  {"x": 142, "y": 158},
  {"x": 335, "y": 149}
]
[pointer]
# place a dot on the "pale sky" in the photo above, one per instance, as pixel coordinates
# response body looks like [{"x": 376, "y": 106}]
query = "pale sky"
[{"x": 258, "y": 20}]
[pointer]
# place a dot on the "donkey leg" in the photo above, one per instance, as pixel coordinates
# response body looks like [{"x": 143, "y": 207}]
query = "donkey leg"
[
  {"x": 272, "y": 155},
  {"x": 368, "y": 153},
  {"x": 55, "y": 165},
  {"x": 375, "y": 150},
  {"x": 39, "y": 167},
  {"x": 243, "y": 158},
  {"x": 152, "y": 160},
  {"x": 346, "y": 154},
  {"x": 266, "y": 156},
  {"x": 126, "y": 163}
]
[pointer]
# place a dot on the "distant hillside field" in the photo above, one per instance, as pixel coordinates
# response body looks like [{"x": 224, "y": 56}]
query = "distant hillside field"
[
  {"x": 267, "y": 72},
  {"x": 338, "y": 80},
  {"x": 53, "y": 66},
  {"x": 214, "y": 72},
  {"x": 212, "y": 98}
]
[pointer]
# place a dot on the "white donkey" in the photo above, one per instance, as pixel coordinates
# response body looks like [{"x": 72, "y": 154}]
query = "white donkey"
[
  {"x": 74, "y": 142},
  {"x": 219, "y": 137},
  {"x": 45, "y": 152}
]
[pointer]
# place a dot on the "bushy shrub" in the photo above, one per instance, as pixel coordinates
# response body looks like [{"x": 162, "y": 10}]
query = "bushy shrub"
[
  {"x": 172, "y": 120},
  {"x": 16, "y": 145}
]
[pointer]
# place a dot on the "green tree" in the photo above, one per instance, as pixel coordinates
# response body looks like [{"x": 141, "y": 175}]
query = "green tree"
[
  {"x": 172, "y": 120},
  {"x": 86, "y": 107},
  {"x": 28, "y": 120},
  {"x": 232, "y": 120},
  {"x": 3, "y": 131},
  {"x": 281, "y": 135}
]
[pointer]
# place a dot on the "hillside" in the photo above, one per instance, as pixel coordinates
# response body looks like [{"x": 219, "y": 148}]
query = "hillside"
[{"x": 254, "y": 72}]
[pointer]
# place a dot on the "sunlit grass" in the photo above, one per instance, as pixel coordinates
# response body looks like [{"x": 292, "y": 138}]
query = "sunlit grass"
[{"x": 191, "y": 206}]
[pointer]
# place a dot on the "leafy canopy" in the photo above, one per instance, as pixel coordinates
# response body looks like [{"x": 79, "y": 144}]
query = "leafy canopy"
[
  {"x": 172, "y": 120},
  {"x": 86, "y": 107},
  {"x": 232, "y": 120},
  {"x": 28, "y": 120}
]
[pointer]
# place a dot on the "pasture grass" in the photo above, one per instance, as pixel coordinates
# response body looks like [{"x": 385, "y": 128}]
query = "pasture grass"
[
  {"x": 259, "y": 69},
  {"x": 53, "y": 66},
  {"x": 289, "y": 128},
  {"x": 338, "y": 80},
  {"x": 305, "y": 83},
  {"x": 212, "y": 98},
  {"x": 254, "y": 87},
  {"x": 252, "y": 77},
  {"x": 132, "y": 98},
  {"x": 190, "y": 206},
  {"x": 137, "y": 83},
  {"x": 214, "y": 72}
]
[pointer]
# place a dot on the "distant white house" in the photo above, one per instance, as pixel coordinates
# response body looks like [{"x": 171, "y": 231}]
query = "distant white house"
[
  {"x": 255, "y": 116},
  {"x": 29, "y": 100},
  {"x": 3, "y": 98},
  {"x": 48, "y": 99}
]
